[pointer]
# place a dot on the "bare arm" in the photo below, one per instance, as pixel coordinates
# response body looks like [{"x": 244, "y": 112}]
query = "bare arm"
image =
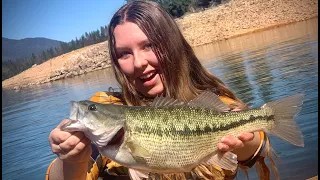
[
  {"x": 73, "y": 151},
  {"x": 65, "y": 170}
]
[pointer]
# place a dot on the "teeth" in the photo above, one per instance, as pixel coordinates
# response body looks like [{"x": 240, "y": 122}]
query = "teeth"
[{"x": 147, "y": 76}]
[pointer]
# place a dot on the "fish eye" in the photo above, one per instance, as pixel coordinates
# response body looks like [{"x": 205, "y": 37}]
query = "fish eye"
[{"x": 92, "y": 107}]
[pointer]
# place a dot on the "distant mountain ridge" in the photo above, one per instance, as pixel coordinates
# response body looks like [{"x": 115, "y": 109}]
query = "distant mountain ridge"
[{"x": 13, "y": 49}]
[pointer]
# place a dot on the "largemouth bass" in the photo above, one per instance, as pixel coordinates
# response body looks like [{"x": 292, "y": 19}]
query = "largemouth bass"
[{"x": 171, "y": 136}]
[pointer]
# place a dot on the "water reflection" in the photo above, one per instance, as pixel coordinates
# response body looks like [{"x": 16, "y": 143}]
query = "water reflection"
[
  {"x": 251, "y": 67},
  {"x": 271, "y": 37},
  {"x": 259, "y": 68},
  {"x": 277, "y": 63}
]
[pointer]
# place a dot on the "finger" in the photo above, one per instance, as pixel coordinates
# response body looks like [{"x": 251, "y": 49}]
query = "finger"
[
  {"x": 239, "y": 144},
  {"x": 232, "y": 142},
  {"x": 223, "y": 147},
  {"x": 55, "y": 148},
  {"x": 72, "y": 141},
  {"x": 88, "y": 150},
  {"x": 229, "y": 140},
  {"x": 57, "y": 136},
  {"x": 77, "y": 148},
  {"x": 80, "y": 150},
  {"x": 84, "y": 155},
  {"x": 246, "y": 136}
]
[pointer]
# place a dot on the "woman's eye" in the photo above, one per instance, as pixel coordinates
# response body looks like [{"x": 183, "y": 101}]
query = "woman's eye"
[
  {"x": 123, "y": 55},
  {"x": 148, "y": 47}
]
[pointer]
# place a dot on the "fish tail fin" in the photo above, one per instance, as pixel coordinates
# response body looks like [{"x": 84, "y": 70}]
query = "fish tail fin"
[{"x": 285, "y": 126}]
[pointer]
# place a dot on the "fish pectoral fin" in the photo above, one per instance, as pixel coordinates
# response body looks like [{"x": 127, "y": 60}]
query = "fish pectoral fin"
[
  {"x": 225, "y": 160},
  {"x": 137, "y": 174},
  {"x": 138, "y": 150}
]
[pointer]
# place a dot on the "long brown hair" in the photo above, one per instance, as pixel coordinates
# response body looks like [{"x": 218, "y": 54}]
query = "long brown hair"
[{"x": 183, "y": 75}]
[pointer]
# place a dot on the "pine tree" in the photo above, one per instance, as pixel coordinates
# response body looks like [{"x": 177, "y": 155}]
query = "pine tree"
[
  {"x": 64, "y": 47},
  {"x": 51, "y": 52},
  {"x": 48, "y": 54},
  {"x": 103, "y": 35},
  {"x": 78, "y": 44},
  {"x": 82, "y": 41},
  {"x": 73, "y": 45},
  {"x": 57, "y": 51},
  {"x": 33, "y": 59},
  {"x": 44, "y": 56}
]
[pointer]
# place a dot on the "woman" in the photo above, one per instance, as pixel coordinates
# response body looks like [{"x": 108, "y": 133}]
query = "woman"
[{"x": 150, "y": 57}]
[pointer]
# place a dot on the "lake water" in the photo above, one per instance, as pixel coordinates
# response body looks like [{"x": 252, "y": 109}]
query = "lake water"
[{"x": 258, "y": 67}]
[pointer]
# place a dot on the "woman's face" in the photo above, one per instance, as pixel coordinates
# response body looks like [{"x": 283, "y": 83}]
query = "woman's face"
[{"x": 137, "y": 60}]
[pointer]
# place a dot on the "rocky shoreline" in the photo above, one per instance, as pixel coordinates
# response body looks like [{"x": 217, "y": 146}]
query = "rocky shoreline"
[{"x": 235, "y": 18}]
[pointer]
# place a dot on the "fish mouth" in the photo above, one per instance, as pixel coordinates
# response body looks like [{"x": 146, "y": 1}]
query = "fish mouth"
[{"x": 117, "y": 139}]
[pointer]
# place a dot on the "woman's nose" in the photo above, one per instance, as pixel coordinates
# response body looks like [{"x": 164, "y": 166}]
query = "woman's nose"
[{"x": 140, "y": 61}]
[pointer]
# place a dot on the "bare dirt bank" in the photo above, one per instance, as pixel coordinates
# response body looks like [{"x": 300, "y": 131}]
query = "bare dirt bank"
[{"x": 237, "y": 17}]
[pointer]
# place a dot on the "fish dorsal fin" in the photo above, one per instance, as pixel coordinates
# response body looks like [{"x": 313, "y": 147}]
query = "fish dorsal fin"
[
  {"x": 161, "y": 101},
  {"x": 206, "y": 99},
  {"x": 209, "y": 100}
]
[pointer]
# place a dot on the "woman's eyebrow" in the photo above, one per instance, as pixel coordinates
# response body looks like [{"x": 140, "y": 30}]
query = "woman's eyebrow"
[
  {"x": 140, "y": 43},
  {"x": 121, "y": 48},
  {"x": 143, "y": 42}
]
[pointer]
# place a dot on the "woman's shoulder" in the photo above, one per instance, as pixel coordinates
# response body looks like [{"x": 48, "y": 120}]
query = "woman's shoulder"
[
  {"x": 107, "y": 97},
  {"x": 232, "y": 103}
]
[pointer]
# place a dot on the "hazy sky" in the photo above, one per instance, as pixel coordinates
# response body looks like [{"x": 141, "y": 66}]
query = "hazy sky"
[{"x": 61, "y": 20}]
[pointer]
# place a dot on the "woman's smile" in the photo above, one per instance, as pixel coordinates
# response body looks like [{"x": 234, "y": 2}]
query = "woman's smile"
[{"x": 148, "y": 78}]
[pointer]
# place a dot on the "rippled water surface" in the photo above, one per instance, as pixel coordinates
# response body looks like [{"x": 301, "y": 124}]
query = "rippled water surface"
[{"x": 259, "y": 68}]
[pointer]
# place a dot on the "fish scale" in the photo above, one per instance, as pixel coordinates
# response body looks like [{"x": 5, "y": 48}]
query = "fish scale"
[
  {"x": 201, "y": 121},
  {"x": 190, "y": 139}
]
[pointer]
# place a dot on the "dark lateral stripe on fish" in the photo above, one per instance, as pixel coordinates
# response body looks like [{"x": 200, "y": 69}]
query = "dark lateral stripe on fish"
[{"x": 146, "y": 129}]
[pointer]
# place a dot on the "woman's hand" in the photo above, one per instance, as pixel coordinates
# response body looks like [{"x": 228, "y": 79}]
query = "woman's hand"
[
  {"x": 70, "y": 147},
  {"x": 230, "y": 143},
  {"x": 244, "y": 146}
]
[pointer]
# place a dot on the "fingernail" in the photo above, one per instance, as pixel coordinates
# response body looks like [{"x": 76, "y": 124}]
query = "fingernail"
[
  {"x": 220, "y": 147},
  {"x": 223, "y": 139}
]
